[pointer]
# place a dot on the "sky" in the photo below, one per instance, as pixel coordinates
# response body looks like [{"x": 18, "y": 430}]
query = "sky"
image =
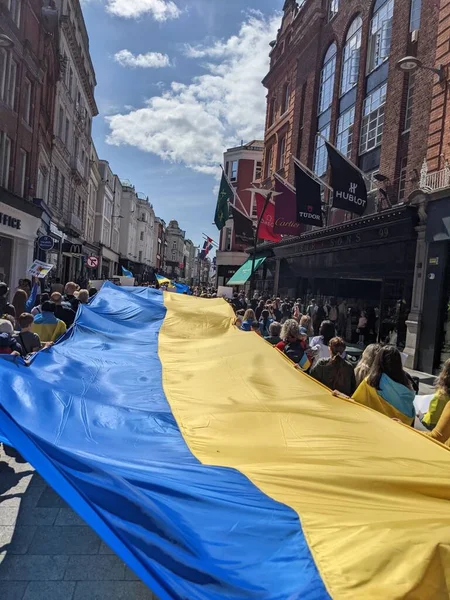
[{"x": 178, "y": 82}]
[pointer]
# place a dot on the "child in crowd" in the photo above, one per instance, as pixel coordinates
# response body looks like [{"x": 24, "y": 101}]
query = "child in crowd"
[
  {"x": 29, "y": 341},
  {"x": 8, "y": 344},
  {"x": 256, "y": 328}
]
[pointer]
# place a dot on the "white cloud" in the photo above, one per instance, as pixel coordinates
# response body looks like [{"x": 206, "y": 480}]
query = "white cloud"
[
  {"x": 160, "y": 10},
  {"x": 150, "y": 60},
  {"x": 193, "y": 123}
]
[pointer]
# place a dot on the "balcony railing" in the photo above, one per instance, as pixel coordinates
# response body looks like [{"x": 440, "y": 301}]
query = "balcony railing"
[{"x": 433, "y": 182}]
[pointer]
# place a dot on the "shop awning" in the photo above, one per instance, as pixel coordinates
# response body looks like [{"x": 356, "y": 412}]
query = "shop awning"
[{"x": 243, "y": 275}]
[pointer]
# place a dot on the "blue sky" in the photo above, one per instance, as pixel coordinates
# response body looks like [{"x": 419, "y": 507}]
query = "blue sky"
[{"x": 177, "y": 83}]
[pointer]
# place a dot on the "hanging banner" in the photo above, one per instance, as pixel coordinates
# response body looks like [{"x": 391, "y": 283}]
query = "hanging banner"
[
  {"x": 286, "y": 211},
  {"x": 349, "y": 187},
  {"x": 309, "y": 199},
  {"x": 266, "y": 231},
  {"x": 243, "y": 227}
]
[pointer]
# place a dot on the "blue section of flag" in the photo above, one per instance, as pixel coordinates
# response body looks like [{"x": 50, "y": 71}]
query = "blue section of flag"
[
  {"x": 126, "y": 272},
  {"x": 92, "y": 416}
]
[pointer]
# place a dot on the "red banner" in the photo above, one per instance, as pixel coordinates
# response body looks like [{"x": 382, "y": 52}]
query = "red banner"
[
  {"x": 286, "y": 211},
  {"x": 266, "y": 231}
]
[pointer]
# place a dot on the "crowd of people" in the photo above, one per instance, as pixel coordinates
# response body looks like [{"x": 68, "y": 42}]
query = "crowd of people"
[
  {"x": 34, "y": 319},
  {"x": 312, "y": 342},
  {"x": 311, "y": 335}
]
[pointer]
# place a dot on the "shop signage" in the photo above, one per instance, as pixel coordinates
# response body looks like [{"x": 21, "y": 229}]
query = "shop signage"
[
  {"x": 46, "y": 242},
  {"x": 10, "y": 221},
  {"x": 335, "y": 243},
  {"x": 70, "y": 248}
]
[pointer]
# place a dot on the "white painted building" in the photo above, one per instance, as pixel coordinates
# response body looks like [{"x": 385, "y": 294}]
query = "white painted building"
[
  {"x": 105, "y": 221},
  {"x": 175, "y": 250},
  {"x": 65, "y": 187},
  {"x": 145, "y": 234}
]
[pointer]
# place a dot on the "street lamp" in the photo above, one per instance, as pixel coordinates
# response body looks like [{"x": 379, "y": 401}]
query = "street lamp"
[
  {"x": 5, "y": 41},
  {"x": 411, "y": 64}
]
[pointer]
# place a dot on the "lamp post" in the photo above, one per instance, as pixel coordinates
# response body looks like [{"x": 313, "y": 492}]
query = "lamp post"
[{"x": 411, "y": 64}]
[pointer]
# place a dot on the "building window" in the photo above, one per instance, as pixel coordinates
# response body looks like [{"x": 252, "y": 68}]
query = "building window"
[
  {"x": 268, "y": 165},
  {"x": 414, "y": 18},
  {"x": 271, "y": 111},
  {"x": 227, "y": 238},
  {"x": 5, "y": 159},
  {"x": 333, "y": 9},
  {"x": 3, "y": 71},
  {"x": 67, "y": 133},
  {"x": 11, "y": 91},
  {"x": 254, "y": 207},
  {"x": 62, "y": 192},
  {"x": 27, "y": 100},
  {"x": 141, "y": 237},
  {"x": 402, "y": 179},
  {"x": 281, "y": 153},
  {"x": 55, "y": 187},
  {"x": 23, "y": 157},
  {"x": 351, "y": 56},
  {"x": 327, "y": 79},
  {"x": 258, "y": 171},
  {"x": 320, "y": 154},
  {"x": 380, "y": 34},
  {"x": 409, "y": 101},
  {"x": 174, "y": 246},
  {"x": 60, "y": 123},
  {"x": 286, "y": 98},
  {"x": 373, "y": 120},
  {"x": 233, "y": 170},
  {"x": 14, "y": 8},
  {"x": 344, "y": 138}
]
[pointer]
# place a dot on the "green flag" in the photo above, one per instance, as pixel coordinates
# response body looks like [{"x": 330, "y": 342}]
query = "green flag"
[{"x": 226, "y": 194}]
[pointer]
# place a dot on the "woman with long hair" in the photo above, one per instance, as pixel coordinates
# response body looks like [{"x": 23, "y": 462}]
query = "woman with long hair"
[
  {"x": 249, "y": 317},
  {"x": 19, "y": 302},
  {"x": 366, "y": 362},
  {"x": 440, "y": 399},
  {"x": 306, "y": 323},
  {"x": 335, "y": 372},
  {"x": 264, "y": 323},
  {"x": 320, "y": 344},
  {"x": 387, "y": 388}
]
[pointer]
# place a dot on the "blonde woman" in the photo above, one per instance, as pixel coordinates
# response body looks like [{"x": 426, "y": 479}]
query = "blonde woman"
[
  {"x": 366, "y": 362},
  {"x": 306, "y": 323}
]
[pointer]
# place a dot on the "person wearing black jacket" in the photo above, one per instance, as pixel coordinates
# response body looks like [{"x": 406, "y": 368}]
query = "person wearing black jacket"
[
  {"x": 69, "y": 297},
  {"x": 63, "y": 310},
  {"x": 5, "y": 307}
]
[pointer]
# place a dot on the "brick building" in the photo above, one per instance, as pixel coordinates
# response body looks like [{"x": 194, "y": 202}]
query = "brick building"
[
  {"x": 243, "y": 166},
  {"x": 334, "y": 71},
  {"x": 28, "y": 76}
]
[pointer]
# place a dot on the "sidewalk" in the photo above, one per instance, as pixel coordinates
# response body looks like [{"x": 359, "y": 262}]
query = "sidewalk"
[{"x": 47, "y": 552}]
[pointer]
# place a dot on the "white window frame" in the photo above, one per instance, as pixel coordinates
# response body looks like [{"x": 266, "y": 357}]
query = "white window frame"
[
  {"x": 5, "y": 159},
  {"x": 56, "y": 186},
  {"x": 344, "y": 133},
  {"x": 415, "y": 15},
  {"x": 4, "y": 60},
  {"x": 28, "y": 100},
  {"x": 282, "y": 152},
  {"x": 23, "y": 171},
  {"x": 327, "y": 76},
  {"x": 380, "y": 36},
  {"x": 234, "y": 165},
  {"x": 333, "y": 9},
  {"x": 269, "y": 161},
  {"x": 351, "y": 56},
  {"x": 12, "y": 84},
  {"x": 320, "y": 152},
  {"x": 373, "y": 120}
]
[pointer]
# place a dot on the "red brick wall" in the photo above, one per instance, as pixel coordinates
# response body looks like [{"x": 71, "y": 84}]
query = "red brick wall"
[
  {"x": 301, "y": 62},
  {"x": 439, "y": 131}
]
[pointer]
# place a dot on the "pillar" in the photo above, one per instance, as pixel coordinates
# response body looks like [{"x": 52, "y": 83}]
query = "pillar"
[{"x": 415, "y": 316}]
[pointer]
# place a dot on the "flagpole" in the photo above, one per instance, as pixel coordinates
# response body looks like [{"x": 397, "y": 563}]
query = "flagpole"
[
  {"x": 236, "y": 195},
  {"x": 255, "y": 244},
  {"x": 311, "y": 173},
  {"x": 364, "y": 175}
]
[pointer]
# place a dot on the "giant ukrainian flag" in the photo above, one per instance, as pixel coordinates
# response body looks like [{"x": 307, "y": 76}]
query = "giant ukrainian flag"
[{"x": 216, "y": 470}]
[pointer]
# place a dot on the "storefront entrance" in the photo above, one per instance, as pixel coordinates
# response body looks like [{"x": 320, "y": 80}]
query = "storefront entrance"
[{"x": 5, "y": 259}]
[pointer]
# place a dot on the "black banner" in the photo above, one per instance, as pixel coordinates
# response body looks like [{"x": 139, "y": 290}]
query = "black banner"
[
  {"x": 309, "y": 199},
  {"x": 243, "y": 227},
  {"x": 349, "y": 187}
]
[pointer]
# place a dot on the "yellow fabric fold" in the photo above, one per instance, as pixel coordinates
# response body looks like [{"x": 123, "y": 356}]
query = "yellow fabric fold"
[{"x": 373, "y": 496}]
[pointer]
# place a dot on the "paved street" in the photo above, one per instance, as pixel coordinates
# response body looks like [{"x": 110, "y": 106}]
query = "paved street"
[{"x": 47, "y": 552}]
